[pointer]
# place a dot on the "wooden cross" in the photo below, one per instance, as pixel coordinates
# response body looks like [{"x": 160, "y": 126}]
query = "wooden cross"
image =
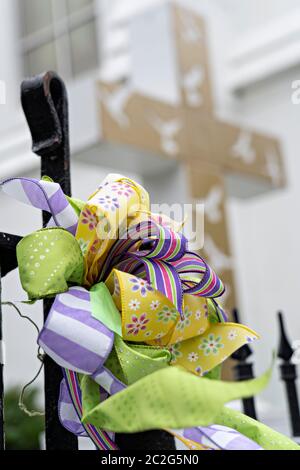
[{"x": 213, "y": 151}]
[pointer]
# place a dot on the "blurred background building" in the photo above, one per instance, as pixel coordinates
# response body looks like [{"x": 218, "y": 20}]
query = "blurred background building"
[{"x": 255, "y": 60}]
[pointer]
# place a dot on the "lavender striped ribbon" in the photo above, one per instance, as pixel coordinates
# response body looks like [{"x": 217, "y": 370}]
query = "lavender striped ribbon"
[
  {"x": 77, "y": 341},
  {"x": 67, "y": 413},
  {"x": 219, "y": 438},
  {"x": 44, "y": 195},
  {"x": 102, "y": 440},
  {"x": 72, "y": 337}
]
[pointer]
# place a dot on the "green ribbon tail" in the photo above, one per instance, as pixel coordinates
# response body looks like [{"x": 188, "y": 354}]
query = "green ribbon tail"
[
  {"x": 170, "y": 398},
  {"x": 266, "y": 437}
]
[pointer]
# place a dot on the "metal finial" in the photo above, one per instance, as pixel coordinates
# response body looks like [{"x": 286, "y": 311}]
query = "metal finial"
[{"x": 285, "y": 350}]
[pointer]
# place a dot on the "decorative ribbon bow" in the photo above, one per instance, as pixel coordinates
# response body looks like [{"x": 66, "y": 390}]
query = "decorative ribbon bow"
[{"x": 131, "y": 301}]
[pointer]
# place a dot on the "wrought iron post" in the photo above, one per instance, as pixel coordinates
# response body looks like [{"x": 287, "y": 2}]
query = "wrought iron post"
[
  {"x": 45, "y": 104},
  {"x": 244, "y": 371},
  {"x": 288, "y": 374},
  {"x": 8, "y": 262},
  {"x": 1, "y": 378}
]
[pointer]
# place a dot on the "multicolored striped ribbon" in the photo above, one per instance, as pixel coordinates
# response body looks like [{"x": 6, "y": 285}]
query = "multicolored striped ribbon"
[{"x": 165, "y": 265}]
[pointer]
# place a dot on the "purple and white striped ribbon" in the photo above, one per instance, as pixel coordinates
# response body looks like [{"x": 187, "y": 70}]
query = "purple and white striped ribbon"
[
  {"x": 72, "y": 336},
  {"x": 76, "y": 340},
  {"x": 219, "y": 438},
  {"x": 108, "y": 381},
  {"x": 67, "y": 413},
  {"x": 44, "y": 195}
]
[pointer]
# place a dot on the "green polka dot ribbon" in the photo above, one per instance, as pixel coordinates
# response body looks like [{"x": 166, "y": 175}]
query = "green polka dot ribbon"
[
  {"x": 266, "y": 437},
  {"x": 169, "y": 398},
  {"x": 49, "y": 260},
  {"x": 131, "y": 362}
]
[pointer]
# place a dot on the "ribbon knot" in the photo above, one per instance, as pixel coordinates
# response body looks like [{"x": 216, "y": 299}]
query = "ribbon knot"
[{"x": 163, "y": 260}]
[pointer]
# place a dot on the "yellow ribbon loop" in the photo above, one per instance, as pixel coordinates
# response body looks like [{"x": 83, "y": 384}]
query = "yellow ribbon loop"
[
  {"x": 115, "y": 205},
  {"x": 196, "y": 341}
]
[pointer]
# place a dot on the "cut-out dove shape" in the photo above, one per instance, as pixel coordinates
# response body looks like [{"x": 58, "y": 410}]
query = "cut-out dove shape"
[
  {"x": 116, "y": 101},
  {"x": 190, "y": 31},
  {"x": 168, "y": 131},
  {"x": 243, "y": 148},
  {"x": 191, "y": 82},
  {"x": 212, "y": 204},
  {"x": 272, "y": 166}
]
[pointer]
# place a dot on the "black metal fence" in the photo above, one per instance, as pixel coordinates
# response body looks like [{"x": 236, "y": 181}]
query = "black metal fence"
[{"x": 45, "y": 104}]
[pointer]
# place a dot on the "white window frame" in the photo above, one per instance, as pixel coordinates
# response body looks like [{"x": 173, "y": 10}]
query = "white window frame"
[{"x": 61, "y": 26}]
